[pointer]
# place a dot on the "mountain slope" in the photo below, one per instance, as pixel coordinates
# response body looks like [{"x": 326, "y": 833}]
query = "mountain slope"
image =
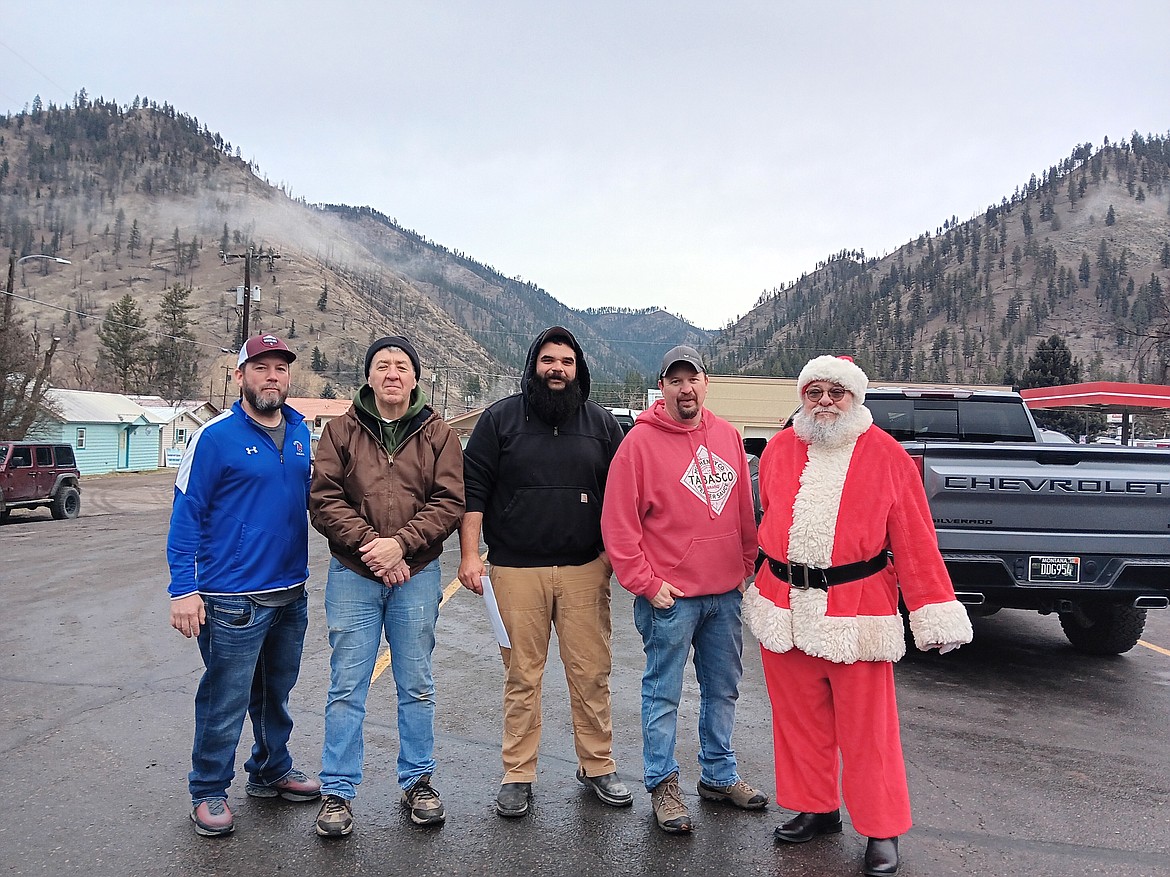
[
  {"x": 1083, "y": 251},
  {"x": 504, "y": 313},
  {"x": 139, "y": 198}
]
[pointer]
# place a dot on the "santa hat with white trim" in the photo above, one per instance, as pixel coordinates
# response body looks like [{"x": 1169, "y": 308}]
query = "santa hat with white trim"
[{"x": 838, "y": 369}]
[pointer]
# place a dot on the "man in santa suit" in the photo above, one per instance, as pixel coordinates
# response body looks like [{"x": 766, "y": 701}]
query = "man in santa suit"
[{"x": 840, "y": 496}]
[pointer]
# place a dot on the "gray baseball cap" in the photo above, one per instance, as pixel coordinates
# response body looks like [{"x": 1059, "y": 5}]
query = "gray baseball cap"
[{"x": 681, "y": 353}]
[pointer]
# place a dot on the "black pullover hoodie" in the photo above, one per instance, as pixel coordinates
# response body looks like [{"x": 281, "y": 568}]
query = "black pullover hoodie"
[{"x": 539, "y": 486}]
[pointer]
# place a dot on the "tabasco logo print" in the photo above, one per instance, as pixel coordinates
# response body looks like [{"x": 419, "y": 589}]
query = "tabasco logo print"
[{"x": 719, "y": 475}]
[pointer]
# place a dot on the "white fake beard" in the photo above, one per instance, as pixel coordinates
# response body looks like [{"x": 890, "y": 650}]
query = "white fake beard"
[{"x": 835, "y": 432}]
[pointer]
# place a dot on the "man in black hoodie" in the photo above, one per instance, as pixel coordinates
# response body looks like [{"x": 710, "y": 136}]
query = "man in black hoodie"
[{"x": 535, "y": 470}]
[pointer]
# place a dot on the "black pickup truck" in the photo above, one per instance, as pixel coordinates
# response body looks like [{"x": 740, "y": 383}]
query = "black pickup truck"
[{"x": 1077, "y": 530}]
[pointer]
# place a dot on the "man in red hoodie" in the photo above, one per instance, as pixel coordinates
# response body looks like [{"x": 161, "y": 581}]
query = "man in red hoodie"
[{"x": 679, "y": 529}]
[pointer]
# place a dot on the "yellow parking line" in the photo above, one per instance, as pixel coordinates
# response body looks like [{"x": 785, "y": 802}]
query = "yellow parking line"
[
  {"x": 449, "y": 592},
  {"x": 1158, "y": 649},
  {"x": 384, "y": 659},
  {"x": 381, "y": 664}
]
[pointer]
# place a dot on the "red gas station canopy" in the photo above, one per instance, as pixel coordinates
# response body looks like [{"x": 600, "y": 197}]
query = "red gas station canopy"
[
  {"x": 1111, "y": 397},
  {"x": 1105, "y": 395}
]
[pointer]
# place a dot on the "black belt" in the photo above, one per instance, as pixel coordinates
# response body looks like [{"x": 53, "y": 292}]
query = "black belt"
[{"x": 804, "y": 577}]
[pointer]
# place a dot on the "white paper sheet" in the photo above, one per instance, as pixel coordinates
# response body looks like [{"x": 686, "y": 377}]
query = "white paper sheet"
[{"x": 493, "y": 611}]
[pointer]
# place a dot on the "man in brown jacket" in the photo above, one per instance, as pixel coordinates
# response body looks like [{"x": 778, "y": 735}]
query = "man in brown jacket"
[{"x": 387, "y": 489}]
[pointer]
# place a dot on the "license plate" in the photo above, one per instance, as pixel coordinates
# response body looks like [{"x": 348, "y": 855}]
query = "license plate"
[{"x": 1047, "y": 568}]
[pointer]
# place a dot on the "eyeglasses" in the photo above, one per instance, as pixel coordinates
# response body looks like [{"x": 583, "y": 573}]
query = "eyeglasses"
[{"x": 813, "y": 394}]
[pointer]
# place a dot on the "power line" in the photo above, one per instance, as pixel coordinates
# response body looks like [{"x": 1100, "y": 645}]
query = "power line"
[
  {"x": 37, "y": 70},
  {"x": 82, "y": 314}
]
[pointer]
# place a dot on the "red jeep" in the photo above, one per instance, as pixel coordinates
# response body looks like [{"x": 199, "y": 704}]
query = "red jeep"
[{"x": 36, "y": 474}]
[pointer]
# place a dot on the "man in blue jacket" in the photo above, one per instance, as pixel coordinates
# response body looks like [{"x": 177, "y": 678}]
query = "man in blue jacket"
[{"x": 239, "y": 558}]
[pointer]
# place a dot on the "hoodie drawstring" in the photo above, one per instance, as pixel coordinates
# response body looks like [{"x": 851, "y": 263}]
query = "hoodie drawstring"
[{"x": 699, "y": 466}]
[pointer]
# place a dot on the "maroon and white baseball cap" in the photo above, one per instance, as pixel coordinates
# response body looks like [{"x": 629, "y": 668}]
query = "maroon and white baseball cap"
[{"x": 261, "y": 344}]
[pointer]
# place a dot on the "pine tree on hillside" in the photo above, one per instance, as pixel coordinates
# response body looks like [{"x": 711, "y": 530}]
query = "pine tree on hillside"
[
  {"x": 1053, "y": 365},
  {"x": 135, "y": 241},
  {"x": 119, "y": 229},
  {"x": 177, "y": 247},
  {"x": 123, "y": 336},
  {"x": 175, "y": 373}
]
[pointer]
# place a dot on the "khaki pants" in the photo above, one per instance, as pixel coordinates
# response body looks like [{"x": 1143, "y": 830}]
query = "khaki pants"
[{"x": 576, "y": 600}]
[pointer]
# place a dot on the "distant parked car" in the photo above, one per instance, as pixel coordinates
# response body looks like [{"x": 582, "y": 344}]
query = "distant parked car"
[
  {"x": 1055, "y": 437},
  {"x": 34, "y": 474},
  {"x": 625, "y": 418}
]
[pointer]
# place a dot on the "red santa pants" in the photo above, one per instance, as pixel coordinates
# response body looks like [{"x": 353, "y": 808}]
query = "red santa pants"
[{"x": 820, "y": 709}]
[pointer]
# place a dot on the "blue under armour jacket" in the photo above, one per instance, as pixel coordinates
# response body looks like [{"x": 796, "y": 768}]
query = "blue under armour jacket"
[{"x": 239, "y": 523}]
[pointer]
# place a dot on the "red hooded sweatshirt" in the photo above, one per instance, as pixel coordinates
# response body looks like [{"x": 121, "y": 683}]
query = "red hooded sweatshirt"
[{"x": 678, "y": 507}]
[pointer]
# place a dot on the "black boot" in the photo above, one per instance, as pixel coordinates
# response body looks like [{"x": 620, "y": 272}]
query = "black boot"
[
  {"x": 881, "y": 856},
  {"x": 513, "y": 799},
  {"x": 805, "y": 826}
]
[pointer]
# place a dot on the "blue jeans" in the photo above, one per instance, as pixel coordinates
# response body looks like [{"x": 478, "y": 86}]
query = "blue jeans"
[
  {"x": 252, "y": 656},
  {"x": 712, "y": 625},
  {"x": 358, "y": 610}
]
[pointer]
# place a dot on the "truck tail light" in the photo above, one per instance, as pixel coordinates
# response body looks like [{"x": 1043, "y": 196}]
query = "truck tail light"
[{"x": 920, "y": 464}]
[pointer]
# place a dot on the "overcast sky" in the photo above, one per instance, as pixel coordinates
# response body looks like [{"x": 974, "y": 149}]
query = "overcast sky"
[{"x": 673, "y": 154}]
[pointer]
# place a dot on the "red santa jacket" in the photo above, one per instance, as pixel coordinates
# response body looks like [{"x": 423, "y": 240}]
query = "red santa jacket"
[{"x": 828, "y": 506}]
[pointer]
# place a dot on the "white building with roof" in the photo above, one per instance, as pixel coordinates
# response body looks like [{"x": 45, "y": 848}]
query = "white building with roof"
[
  {"x": 109, "y": 432},
  {"x": 177, "y": 423}
]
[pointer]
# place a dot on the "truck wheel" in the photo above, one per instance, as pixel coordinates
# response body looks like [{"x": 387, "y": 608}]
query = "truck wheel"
[
  {"x": 1103, "y": 628},
  {"x": 66, "y": 504}
]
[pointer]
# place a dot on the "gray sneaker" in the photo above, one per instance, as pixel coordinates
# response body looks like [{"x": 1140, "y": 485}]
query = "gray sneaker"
[
  {"x": 426, "y": 808},
  {"x": 669, "y": 807},
  {"x": 738, "y": 793},
  {"x": 212, "y": 818},
  {"x": 335, "y": 818},
  {"x": 294, "y": 786}
]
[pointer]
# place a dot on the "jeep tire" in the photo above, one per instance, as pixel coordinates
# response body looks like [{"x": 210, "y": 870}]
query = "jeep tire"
[
  {"x": 66, "y": 504},
  {"x": 1103, "y": 628}
]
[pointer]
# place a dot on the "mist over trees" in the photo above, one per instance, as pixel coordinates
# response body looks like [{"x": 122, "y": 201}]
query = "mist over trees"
[{"x": 149, "y": 204}]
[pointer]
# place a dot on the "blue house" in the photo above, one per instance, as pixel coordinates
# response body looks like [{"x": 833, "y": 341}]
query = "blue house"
[{"x": 108, "y": 431}]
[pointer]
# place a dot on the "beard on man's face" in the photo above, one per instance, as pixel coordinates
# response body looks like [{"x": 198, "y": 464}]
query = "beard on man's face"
[
  {"x": 554, "y": 407},
  {"x": 263, "y": 404},
  {"x": 828, "y": 429}
]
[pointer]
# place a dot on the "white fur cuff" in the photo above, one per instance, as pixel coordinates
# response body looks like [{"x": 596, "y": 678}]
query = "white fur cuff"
[
  {"x": 769, "y": 624},
  {"x": 937, "y": 623}
]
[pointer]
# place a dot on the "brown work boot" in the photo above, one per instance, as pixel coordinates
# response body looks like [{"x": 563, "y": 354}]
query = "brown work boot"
[
  {"x": 424, "y": 803},
  {"x": 669, "y": 807},
  {"x": 738, "y": 793},
  {"x": 335, "y": 818}
]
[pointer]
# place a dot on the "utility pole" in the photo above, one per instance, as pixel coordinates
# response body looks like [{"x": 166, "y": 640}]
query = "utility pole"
[{"x": 247, "y": 304}]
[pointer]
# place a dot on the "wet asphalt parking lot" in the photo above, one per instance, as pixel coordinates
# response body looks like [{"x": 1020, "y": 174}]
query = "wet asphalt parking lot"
[{"x": 1024, "y": 757}]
